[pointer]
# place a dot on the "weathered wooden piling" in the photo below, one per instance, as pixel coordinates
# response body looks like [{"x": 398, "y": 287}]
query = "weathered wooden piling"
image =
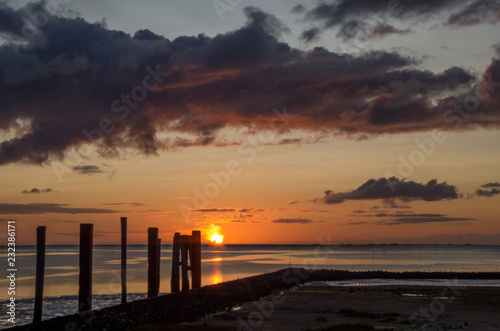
[
  {"x": 189, "y": 248},
  {"x": 195, "y": 255},
  {"x": 85, "y": 279},
  {"x": 185, "y": 243},
  {"x": 152, "y": 262},
  {"x": 123, "y": 221},
  {"x": 40, "y": 272},
  {"x": 158, "y": 265},
  {"x": 174, "y": 280}
]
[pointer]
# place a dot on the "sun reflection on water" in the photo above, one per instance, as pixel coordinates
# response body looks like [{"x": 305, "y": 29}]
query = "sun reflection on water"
[{"x": 216, "y": 278}]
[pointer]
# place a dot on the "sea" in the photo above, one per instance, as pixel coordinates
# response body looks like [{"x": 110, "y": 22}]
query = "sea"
[{"x": 224, "y": 263}]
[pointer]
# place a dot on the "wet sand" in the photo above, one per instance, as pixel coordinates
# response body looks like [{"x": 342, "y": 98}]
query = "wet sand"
[{"x": 322, "y": 307}]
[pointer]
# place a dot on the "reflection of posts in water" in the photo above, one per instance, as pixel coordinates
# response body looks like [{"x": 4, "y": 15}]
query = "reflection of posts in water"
[{"x": 186, "y": 246}]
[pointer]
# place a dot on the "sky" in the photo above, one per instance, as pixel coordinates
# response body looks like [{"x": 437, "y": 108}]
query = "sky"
[{"x": 283, "y": 122}]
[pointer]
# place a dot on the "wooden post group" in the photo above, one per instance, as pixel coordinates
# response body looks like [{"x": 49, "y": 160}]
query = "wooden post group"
[
  {"x": 186, "y": 246},
  {"x": 186, "y": 255}
]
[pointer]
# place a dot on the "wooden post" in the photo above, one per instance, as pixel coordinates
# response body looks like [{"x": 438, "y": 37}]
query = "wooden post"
[
  {"x": 195, "y": 255},
  {"x": 185, "y": 241},
  {"x": 158, "y": 264},
  {"x": 124, "y": 258},
  {"x": 85, "y": 290},
  {"x": 174, "y": 280},
  {"x": 152, "y": 262},
  {"x": 40, "y": 271}
]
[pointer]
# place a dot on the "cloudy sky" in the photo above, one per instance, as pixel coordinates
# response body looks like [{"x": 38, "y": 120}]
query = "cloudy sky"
[{"x": 372, "y": 121}]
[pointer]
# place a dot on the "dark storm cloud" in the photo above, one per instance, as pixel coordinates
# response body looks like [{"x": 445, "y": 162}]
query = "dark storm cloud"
[
  {"x": 360, "y": 30},
  {"x": 37, "y": 191},
  {"x": 147, "y": 35},
  {"x": 367, "y": 19},
  {"x": 310, "y": 34},
  {"x": 87, "y": 170},
  {"x": 393, "y": 188},
  {"x": 13, "y": 21},
  {"x": 269, "y": 23},
  {"x": 292, "y": 221},
  {"x": 75, "y": 83},
  {"x": 43, "y": 208}
]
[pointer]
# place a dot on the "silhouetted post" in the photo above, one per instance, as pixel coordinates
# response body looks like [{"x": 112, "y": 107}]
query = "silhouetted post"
[
  {"x": 85, "y": 290},
  {"x": 124, "y": 258},
  {"x": 174, "y": 280},
  {"x": 185, "y": 242},
  {"x": 152, "y": 262},
  {"x": 158, "y": 264},
  {"x": 195, "y": 255},
  {"x": 40, "y": 271}
]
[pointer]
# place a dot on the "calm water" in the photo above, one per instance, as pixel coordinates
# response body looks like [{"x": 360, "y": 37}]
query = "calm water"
[{"x": 219, "y": 264}]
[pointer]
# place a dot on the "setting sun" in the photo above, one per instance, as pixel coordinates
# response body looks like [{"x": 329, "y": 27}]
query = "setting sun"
[{"x": 216, "y": 238}]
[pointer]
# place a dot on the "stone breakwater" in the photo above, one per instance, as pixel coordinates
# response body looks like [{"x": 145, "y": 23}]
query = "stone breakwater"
[{"x": 194, "y": 304}]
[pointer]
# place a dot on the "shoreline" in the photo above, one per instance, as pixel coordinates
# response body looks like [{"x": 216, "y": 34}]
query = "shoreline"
[{"x": 195, "y": 304}]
